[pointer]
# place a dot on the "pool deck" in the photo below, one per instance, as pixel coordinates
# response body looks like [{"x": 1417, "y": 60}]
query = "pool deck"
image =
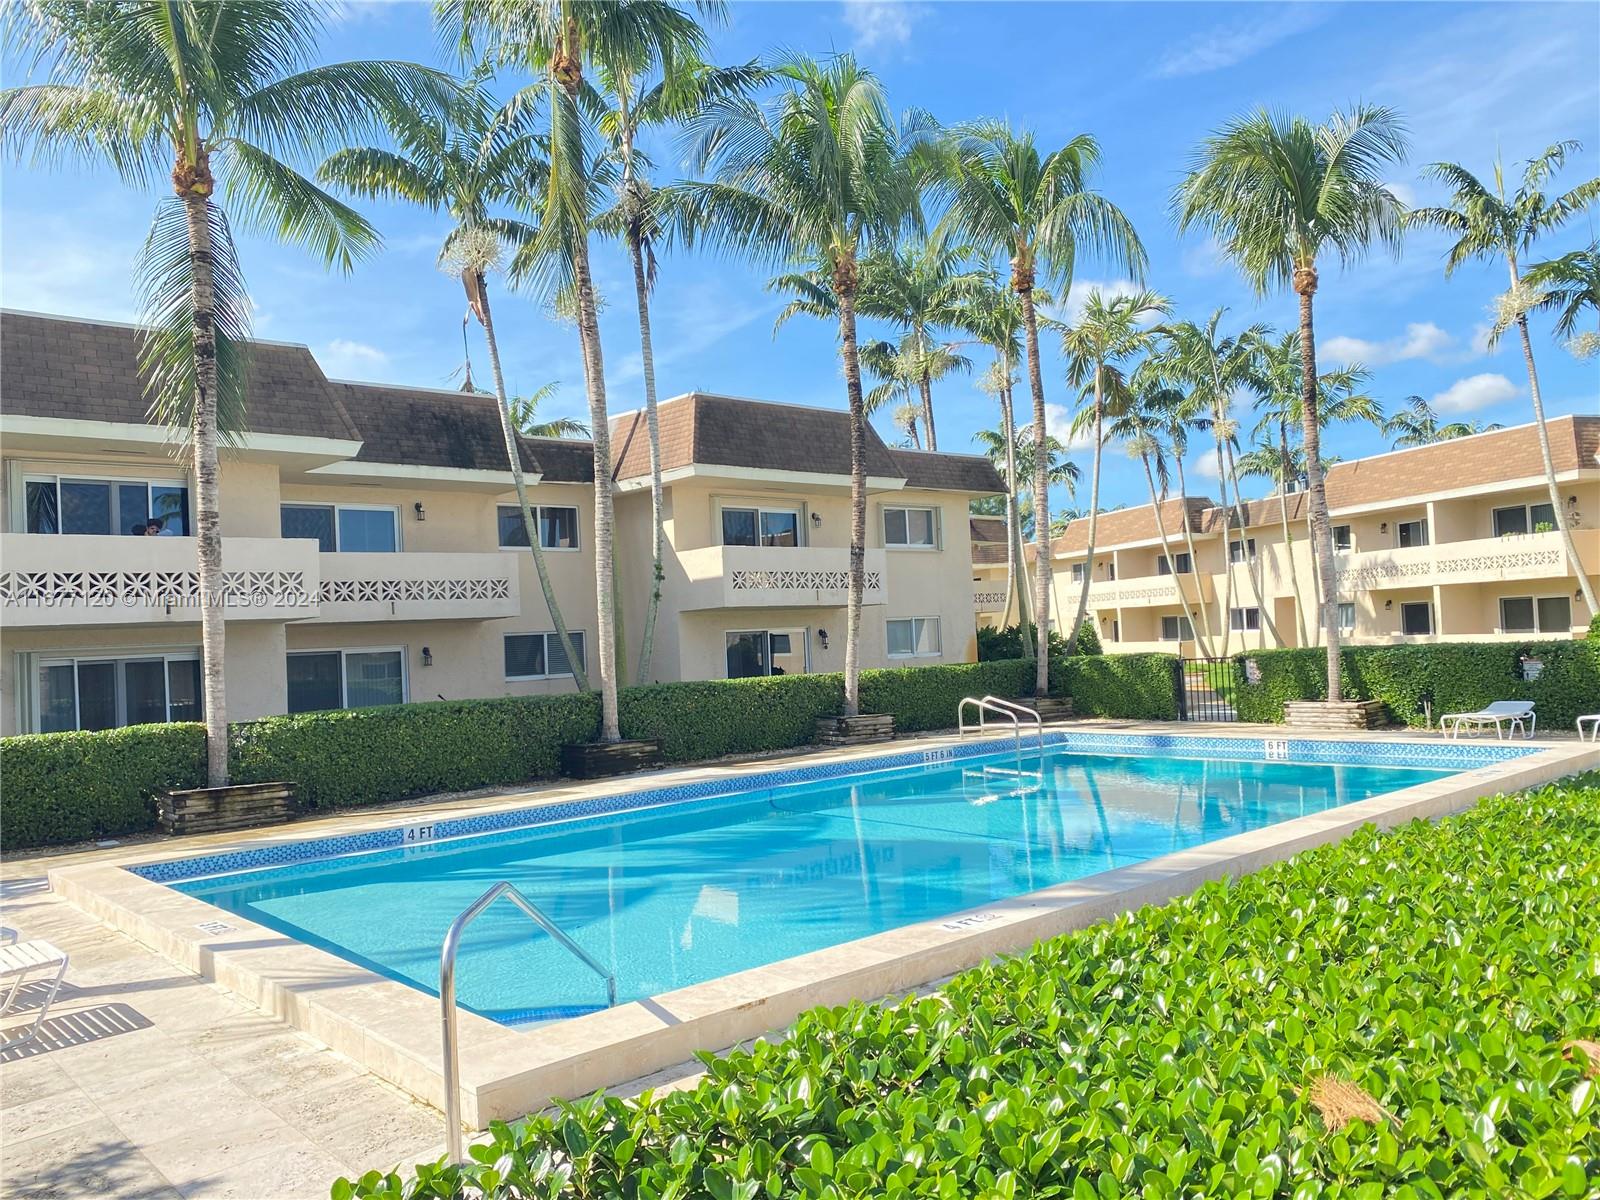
[{"x": 156, "y": 1079}]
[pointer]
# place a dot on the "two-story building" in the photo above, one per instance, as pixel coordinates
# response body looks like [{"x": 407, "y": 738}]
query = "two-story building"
[
  {"x": 1454, "y": 541},
  {"x": 374, "y": 553}
]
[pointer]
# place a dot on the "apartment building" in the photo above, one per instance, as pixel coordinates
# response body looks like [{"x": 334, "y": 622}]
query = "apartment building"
[
  {"x": 1454, "y": 541},
  {"x": 373, "y": 551}
]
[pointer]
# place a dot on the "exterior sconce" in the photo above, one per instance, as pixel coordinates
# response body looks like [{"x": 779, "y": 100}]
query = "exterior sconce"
[
  {"x": 422, "y": 513},
  {"x": 427, "y": 657},
  {"x": 1388, "y": 604},
  {"x": 816, "y": 520},
  {"x": 1383, "y": 528},
  {"x": 822, "y": 636}
]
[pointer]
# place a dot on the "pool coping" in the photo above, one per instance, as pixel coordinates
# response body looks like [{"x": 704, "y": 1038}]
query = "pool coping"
[{"x": 393, "y": 1029}]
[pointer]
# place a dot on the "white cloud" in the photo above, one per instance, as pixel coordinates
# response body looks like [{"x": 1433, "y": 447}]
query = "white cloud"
[
  {"x": 1480, "y": 338},
  {"x": 1058, "y": 424},
  {"x": 1475, "y": 392},
  {"x": 1403, "y": 192},
  {"x": 53, "y": 264},
  {"x": 1227, "y": 45},
  {"x": 343, "y": 358},
  {"x": 880, "y": 22},
  {"x": 1422, "y": 339},
  {"x": 1203, "y": 258},
  {"x": 1078, "y": 297}
]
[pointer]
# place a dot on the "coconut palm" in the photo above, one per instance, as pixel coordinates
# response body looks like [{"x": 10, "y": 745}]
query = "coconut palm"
[
  {"x": 468, "y": 163},
  {"x": 1567, "y": 286},
  {"x": 1279, "y": 194},
  {"x": 1111, "y": 329},
  {"x": 1039, "y": 213},
  {"x": 213, "y": 95},
  {"x": 1486, "y": 223},
  {"x": 821, "y": 176}
]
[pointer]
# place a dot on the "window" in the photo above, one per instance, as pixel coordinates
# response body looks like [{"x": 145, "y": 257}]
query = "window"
[
  {"x": 1108, "y": 568},
  {"x": 1518, "y": 518},
  {"x": 1416, "y": 618},
  {"x": 1341, "y": 538},
  {"x": 558, "y": 527},
  {"x": 346, "y": 528},
  {"x": 1524, "y": 614},
  {"x": 1238, "y": 550},
  {"x": 753, "y": 652},
  {"x": 1176, "y": 629},
  {"x": 1413, "y": 533},
  {"x": 57, "y": 504},
  {"x": 108, "y": 693},
  {"x": 1179, "y": 562},
  {"x": 541, "y": 655},
  {"x": 913, "y": 637},
  {"x": 1244, "y": 620},
  {"x": 912, "y": 528},
  {"x": 1116, "y": 631},
  {"x": 320, "y": 679},
  {"x": 1347, "y": 617},
  {"x": 1077, "y": 572},
  {"x": 760, "y": 526}
]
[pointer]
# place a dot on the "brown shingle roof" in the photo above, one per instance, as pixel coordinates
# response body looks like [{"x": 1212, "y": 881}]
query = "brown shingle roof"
[
  {"x": 1125, "y": 525},
  {"x": 987, "y": 529},
  {"x": 80, "y": 370},
  {"x": 948, "y": 472}
]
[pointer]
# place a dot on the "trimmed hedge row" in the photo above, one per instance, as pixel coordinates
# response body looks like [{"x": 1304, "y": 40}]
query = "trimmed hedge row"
[
  {"x": 1137, "y": 686},
  {"x": 1459, "y": 676},
  {"x": 1390, "y": 1016},
  {"x": 713, "y": 717},
  {"x": 926, "y": 697}
]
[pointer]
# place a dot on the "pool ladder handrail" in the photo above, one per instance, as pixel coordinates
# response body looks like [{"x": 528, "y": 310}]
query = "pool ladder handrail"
[
  {"x": 447, "y": 994},
  {"x": 1010, "y": 709}
]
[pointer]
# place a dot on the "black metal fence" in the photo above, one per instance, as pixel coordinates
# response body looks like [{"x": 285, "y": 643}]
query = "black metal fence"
[{"x": 1206, "y": 689}]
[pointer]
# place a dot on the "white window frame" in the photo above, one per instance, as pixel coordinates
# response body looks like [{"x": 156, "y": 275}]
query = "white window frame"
[
  {"x": 538, "y": 521},
  {"x": 344, "y": 672},
  {"x": 935, "y": 527},
  {"x": 55, "y": 478},
  {"x": 1538, "y": 625},
  {"x": 1527, "y": 516},
  {"x": 1424, "y": 604},
  {"x": 392, "y": 509},
  {"x": 1247, "y": 550},
  {"x": 801, "y": 631},
  {"x": 1422, "y": 524},
  {"x": 938, "y": 631},
  {"x": 1079, "y": 570},
  {"x": 550, "y": 636},
  {"x": 1167, "y": 564},
  {"x": 1346, "y": 626},
  {"x": 1349, "y": 539},
  {"x": 35, "y": 662},
  {"x": 795, "y": 510},
  {"x": 1239, "y": 619},
  {"x": 1183, "y": 623}
]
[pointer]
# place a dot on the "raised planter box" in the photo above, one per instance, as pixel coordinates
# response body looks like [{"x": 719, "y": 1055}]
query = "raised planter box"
[
  {"x": 219, "y": 809},
  {"x": 855, "y": 731},
  {"x": 1346, "y": 714},
  {"x": 1050, "y": 708},
  {"x": 597, "y": 760}
]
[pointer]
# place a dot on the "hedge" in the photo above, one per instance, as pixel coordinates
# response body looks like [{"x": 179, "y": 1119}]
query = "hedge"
[
  {"x": 1393, "y": 1015},
  {"x": 926, "y": 697},
  {"x": 1460, "y": 676},
  {"x": 714, "y": 717},
  {"x": 70, "y": 787},
  {"x": 1136, "y": 686}
]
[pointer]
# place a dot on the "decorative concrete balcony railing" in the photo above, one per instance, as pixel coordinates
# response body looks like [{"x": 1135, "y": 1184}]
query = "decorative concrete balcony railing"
[
  {"x": 989, "y": 596},
  {"x": 64, "y": 580},
  {"x": 776, "y": 577},
  {"x": 1146, "y": 591},
  {"x": 1481, "y": 560},
  {"x": 415, "y": 586}
]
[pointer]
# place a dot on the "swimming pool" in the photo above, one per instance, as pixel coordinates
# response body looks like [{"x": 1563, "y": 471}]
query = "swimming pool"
[{"x": 676, "y": 886}]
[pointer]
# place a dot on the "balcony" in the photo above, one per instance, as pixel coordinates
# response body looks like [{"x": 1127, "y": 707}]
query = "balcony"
[
  {"x": 775, "y": 577},
  {"x": 417, "y": 587},
  {"x": 1481, "y": 560},
  {"x": 989, "y": 596},
  {"x": 66, "y": 581},
  {"x": 1147, "y": 591}
]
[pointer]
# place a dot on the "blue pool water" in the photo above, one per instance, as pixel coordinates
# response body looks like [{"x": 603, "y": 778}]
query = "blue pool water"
[{"x": 685, "y": 892}]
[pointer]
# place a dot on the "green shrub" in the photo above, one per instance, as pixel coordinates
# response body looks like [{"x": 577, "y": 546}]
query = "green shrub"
[
  {"x": 1594, "y": 630},
  {"x": 1133, "y": 686},
  {"x": 1088, "y": 638},
  {"x": 714, "y": 717},
  {"x": 69, "y": 787},
  {"x": 1441, "y": 967},
  {"x": 926, "y": 697},
  {"x": 374, "y": 755},
  {"x": 998, "y": 644},
  {"x": 1459, "y": 676}
]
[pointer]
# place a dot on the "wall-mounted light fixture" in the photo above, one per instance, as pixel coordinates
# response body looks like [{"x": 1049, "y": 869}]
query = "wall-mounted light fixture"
[
  {"x": 427, "y": 657},
  {"x": 816, "y": 520},
  {"x": 822, "y": 636},
  {"x": 422, "y": 513},
  {"x": 1388, "y": 604},
  {"x": 1383, "y": 528}
]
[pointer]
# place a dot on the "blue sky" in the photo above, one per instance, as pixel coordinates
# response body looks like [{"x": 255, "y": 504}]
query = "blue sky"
[{"x": 1150, "y": 81}]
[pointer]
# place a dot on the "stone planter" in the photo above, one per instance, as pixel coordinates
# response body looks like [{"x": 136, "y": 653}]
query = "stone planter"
[
  {"x": 219, "y": 809},
  {"x": 1346, "y": 714},
  {"x": 597, "y": 760},
  {"x": 854, "y": 731}
]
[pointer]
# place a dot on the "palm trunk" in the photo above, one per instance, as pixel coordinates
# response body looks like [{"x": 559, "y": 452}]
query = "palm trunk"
[
  {"x": 1285, "y": 464},
  {"x": 1166, "y": 546},
  {"x": 530, "y": 525},
  {"x": 208, "y": 528},
  {"x": 1227, "y": 536},
  {"x": 925, "y": 385},
  {"x": 604, "y": 525},
  {"x": 1013, "y": 521},
  {"x": 844, "y": 287},
  {"x": 1544, "y": 452},
  {"x": 1094, "y": 499},
  {"x": 1252, "y": 567},
  {"x": 1194, "y": 559},
  {"x": 1316, "y": 492},
  {"x": 647, "y": 358},
  {"x": 1041, "y": 503}
]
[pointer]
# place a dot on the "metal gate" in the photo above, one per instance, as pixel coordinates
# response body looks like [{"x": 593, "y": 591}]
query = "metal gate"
[{"x": 1206, "y": 689}]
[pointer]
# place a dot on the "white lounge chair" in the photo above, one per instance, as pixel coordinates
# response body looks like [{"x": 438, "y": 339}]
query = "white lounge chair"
[
  {"x": 1593, "y": 722},
  {"x": 18, "y": 961},
  {"x": 1515, "y": 714}
]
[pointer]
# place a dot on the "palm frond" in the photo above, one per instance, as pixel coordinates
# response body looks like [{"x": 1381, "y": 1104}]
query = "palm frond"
[{"x": 274, "y": 198}]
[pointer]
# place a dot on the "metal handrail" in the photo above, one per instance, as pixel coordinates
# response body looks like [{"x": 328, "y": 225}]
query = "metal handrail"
[
  {"x": 1023, "y": 712},
  {"x": 447, "y": 994},
  {"x": 1013, "y": 712}
]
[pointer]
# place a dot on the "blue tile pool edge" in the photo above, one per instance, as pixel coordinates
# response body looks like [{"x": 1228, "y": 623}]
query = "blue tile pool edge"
[{"x": 1452, "y": 755}]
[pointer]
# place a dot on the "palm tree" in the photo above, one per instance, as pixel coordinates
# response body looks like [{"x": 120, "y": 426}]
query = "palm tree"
[
  {"x": 907, "y": 367},
  {"x": 1486, "y": 223},
  {"x": 476, "y": 158},
  {"x": 1278, "y": 193},
  {"x": 1110, "y": 330},
  {"x": 526, "y": 417},
  {"x": 1417, "y": 424},
  {"x": 1060, "y": 471},
  {"x": 821, "y": 176},
  {"x": 1039, "y": 213},
  {"x": 1568, "y": 285},
  {"x": 213, "y": 94}
]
